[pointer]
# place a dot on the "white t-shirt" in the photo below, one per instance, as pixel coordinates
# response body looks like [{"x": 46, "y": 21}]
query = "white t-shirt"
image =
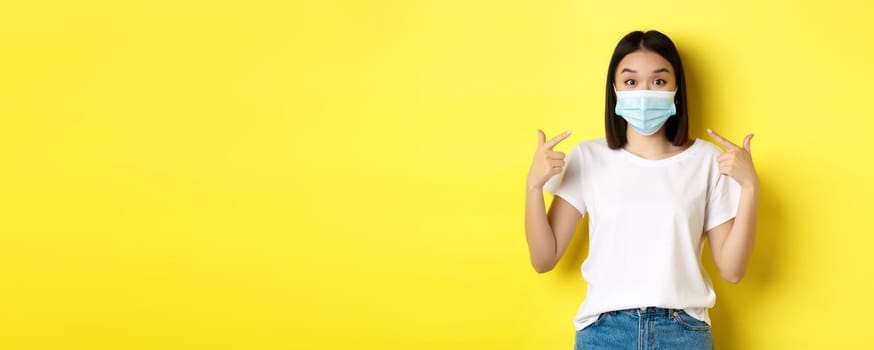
[{"x": 647, "y": 220}]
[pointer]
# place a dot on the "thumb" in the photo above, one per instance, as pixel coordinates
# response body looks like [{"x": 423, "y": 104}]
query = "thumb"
[
  {"x": 541, "y": 137},
  {"x": 747, "y": 142}
]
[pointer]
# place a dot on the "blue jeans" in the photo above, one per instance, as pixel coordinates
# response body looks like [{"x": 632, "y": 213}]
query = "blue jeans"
[{"x": 644, "y": 329}]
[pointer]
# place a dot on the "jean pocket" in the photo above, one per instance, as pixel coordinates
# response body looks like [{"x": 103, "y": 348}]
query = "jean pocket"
[
  {"x": 689, "y": 322},
  {"x": 600, "y": 319}
]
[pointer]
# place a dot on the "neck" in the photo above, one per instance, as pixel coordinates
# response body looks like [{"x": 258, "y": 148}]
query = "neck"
[{"x": 655, "y": 146}]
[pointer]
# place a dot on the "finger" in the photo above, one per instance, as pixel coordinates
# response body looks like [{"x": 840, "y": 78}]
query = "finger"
[
  {"x": 727, "y": 156},
  {"x": 556, "y": 163},
  {"x": 555, "y": 155},
  {"x": 557, "y": 139},
  {"x": 541, "y": 138},
  {"x": 722, "y": 140},
  {"x": 747, "y": 142}
]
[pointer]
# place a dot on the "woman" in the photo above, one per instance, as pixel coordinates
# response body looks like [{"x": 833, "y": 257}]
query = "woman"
[{"x": 652, "y": 196}]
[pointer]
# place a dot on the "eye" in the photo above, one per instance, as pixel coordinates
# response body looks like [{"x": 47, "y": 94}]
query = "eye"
[
  {"x": 630, "y": 82},
  {"x": 660, "y": 82}
]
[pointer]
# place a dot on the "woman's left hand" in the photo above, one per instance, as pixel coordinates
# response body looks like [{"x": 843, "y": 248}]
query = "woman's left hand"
[{"x": 737, "y": 161}]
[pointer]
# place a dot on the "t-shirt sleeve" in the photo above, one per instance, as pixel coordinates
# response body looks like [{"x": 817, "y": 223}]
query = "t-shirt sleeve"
[
  {"x": 723, "y": 199},
  {"x": 568, "y": 183}
]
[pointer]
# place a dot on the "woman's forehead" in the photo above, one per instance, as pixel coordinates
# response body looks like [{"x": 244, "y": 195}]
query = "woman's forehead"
[{"x": 644, "y": 61}]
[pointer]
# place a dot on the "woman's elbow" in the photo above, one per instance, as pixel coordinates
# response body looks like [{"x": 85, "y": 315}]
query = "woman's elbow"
[
  {"x": 732, "y": 278},
  {"x": 542, "y": 267}
]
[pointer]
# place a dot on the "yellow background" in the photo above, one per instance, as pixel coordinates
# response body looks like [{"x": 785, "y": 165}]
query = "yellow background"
[{"x": 350, "y": 174}]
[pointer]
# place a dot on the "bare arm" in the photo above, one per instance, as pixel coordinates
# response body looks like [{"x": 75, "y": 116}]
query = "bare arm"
[
  {"x": 732, "y": 242},
  {"x": 548, "y": 235}
]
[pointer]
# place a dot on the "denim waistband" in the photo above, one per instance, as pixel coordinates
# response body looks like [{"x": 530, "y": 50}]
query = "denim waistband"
[{"x": 649, "y": 311}]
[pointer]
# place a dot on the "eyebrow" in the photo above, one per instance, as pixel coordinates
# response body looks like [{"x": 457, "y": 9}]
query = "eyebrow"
[{"x": 660, "y": 70}]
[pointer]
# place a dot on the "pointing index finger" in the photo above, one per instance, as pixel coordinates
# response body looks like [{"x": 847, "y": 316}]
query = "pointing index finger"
[
  {"x": 722, "y": 140},
  {"x": 555, "y": 140}
]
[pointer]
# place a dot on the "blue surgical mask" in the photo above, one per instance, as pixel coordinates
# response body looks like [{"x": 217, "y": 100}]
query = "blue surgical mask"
[{"x": 645, "y": 110}]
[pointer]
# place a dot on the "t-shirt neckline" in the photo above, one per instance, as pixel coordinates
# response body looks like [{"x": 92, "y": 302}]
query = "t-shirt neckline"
[{"x": 685, "y": 153}]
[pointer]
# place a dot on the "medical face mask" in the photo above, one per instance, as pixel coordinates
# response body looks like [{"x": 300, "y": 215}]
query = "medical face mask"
[{"x": 645, "y": 110}]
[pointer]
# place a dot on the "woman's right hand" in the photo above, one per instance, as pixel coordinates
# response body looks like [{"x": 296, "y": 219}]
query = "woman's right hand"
[{"x": 546, "y": 162}]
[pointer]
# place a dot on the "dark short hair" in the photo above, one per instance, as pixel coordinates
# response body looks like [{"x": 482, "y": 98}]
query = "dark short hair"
[{"x": 677, "y": 126}]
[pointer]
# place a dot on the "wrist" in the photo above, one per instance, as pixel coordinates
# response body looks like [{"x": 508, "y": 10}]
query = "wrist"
[
  {"x": 533, "y": 186},
  {"x": 750, "y": 186}
]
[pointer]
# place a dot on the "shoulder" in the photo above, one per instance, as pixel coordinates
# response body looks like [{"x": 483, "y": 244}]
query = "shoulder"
[
  {"x": 708, "y": 154},
  {"x": 591, "y": 145},
  {"x": 707, "y": 148},
  {"x": 589, "y": 151}
]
